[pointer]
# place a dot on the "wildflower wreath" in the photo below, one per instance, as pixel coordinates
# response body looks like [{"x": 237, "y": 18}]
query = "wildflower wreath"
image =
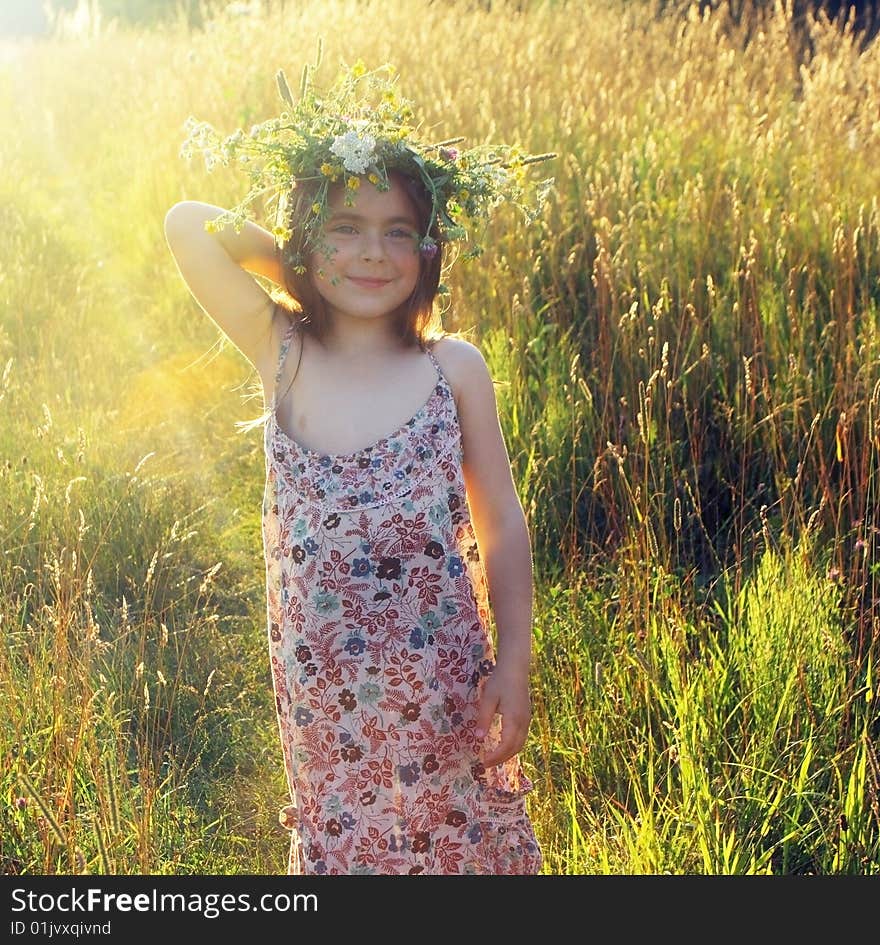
[{"x": 362, "y": 128}]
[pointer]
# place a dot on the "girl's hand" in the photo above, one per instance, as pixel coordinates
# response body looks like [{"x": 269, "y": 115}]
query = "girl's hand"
[{"x": 506, "y": 693}]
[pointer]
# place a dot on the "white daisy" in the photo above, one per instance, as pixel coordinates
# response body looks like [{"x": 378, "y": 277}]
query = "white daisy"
[{"x": 356, "y": 152}]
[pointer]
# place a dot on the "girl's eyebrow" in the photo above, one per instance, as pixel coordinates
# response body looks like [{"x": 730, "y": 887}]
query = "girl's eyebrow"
[{"x": 348, "y": 215}]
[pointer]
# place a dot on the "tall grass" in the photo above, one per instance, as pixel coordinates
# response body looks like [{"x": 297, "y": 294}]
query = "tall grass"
[{"x": 686, "y": 350}]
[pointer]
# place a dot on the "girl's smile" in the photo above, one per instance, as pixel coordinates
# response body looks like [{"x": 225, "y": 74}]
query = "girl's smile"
[{"x": 369, "y": 283}]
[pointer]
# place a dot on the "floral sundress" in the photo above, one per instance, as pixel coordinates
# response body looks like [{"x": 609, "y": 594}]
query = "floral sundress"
[{"x": 378, "y": 626}]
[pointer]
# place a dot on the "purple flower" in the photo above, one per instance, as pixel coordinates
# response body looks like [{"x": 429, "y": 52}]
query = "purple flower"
[
  {"x": 360, "y": 567},
  {"x": 397, "y": 842},
  {"x": 409, "y": 774},
  {"x": 449, "y": 154},
  {"x": 389, "y": 568},
  {"x": 428, "y": 248}
]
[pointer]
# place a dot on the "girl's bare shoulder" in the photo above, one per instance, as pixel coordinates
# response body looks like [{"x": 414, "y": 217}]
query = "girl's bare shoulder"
[{"x": 457, "y": 357}]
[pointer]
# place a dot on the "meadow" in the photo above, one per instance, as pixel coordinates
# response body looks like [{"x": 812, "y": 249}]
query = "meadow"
[{"x": 687, "y": 355}]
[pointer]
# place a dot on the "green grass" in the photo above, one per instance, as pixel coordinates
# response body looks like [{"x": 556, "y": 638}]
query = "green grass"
[{"x": 688, "y": 366}]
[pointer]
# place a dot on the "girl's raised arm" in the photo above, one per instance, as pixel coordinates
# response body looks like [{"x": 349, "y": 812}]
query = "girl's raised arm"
[{"x": 213, "y": 266}]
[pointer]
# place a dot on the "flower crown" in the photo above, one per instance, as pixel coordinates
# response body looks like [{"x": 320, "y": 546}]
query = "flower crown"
[{"x": 362, "y": 128}]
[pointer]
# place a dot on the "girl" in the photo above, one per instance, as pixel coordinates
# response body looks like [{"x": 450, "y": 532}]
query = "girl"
[{"x": 389, "y": 518}]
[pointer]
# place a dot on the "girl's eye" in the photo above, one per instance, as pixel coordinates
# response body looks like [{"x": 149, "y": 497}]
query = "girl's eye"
[{"x": 346, "y": 229}]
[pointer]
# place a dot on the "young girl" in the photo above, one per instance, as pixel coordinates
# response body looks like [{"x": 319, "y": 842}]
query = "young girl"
[{"x": 389, "y": 517}]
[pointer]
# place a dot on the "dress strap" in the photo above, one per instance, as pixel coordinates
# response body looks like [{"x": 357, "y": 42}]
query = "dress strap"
[
  {"x": 436, "y": 363},
  {"x": 282, "y": 356}
]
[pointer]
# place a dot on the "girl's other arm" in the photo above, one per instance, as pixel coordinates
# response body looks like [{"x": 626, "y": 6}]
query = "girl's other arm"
[
  {"x": 213, "y": 266},
  {"x": 505, "y": 548}
]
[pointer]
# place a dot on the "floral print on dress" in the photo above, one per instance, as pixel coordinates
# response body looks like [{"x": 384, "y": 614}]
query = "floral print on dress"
[{"x": 379, "y": 642}]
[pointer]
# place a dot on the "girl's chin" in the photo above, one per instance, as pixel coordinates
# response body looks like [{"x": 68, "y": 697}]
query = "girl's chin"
[{"x": 365, "y": 313}]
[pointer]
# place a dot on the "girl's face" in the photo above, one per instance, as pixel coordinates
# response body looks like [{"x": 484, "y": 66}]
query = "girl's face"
[{"x": 376, "y": 263}]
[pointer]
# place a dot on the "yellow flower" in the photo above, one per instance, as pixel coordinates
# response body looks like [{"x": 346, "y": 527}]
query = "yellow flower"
[
  {"x": 327, "y": 169},
  {"x": 353, "y": 183},
  {"x": 316, "y": 208},
  {"x": 373, "y": 178},
  {"x": 358, "y": 69}
]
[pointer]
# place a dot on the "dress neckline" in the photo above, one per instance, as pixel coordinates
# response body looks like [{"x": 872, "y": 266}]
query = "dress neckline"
[{"x": 439, "y": 384}]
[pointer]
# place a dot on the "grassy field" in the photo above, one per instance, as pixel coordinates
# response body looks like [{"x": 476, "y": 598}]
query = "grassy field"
[{"x": 687, "y": 350}]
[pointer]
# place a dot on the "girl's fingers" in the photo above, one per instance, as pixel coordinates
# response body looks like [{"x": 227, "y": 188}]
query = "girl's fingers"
[
  {"x": 485, "y": 713},
  {"x": 513, "y": 737}
]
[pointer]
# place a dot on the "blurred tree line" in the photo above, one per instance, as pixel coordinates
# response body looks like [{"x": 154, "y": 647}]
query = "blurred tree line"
[
  {"x": 34, "y": 17},
  {"x": 865, "y": 13},
  {"x": 30, "y": 16},
  {"x": 149, "y": 12}
]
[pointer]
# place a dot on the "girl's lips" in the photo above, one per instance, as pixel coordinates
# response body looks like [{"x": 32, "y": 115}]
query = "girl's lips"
[{"x": 369, "y": 283}]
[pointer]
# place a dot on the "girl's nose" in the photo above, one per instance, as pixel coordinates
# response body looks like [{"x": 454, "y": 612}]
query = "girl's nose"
[{"x": 372, "y": 246}]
